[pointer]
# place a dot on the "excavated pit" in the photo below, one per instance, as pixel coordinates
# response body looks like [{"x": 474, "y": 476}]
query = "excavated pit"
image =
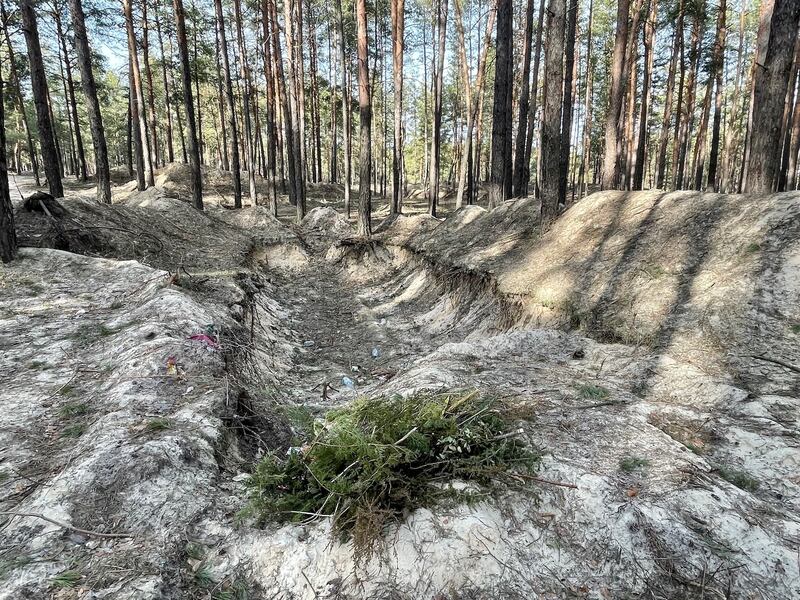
[{"x": 670, "y": 477}]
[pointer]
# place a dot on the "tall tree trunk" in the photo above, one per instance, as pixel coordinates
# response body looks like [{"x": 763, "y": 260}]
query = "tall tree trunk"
[
  {"x": 346, "y": 126},
  {"x": 233, "y": 127},
  {"x": 81, "y": 155},
  {"x": 365, "y": 118},
  {"x": 223, "y": 129},
  {"x": 786, "y": 135},
  {"x": 39, "y": 86},
  {"x": 188, "y": 103},
  {"x": 280, "y": 81},
  {"x": 663, "y": 140},
  {"x": 518, "y": 185},
  {"x": 8, "y": 235},
  {"x": 687, "y": 115},
  {"x": 18, "y": 95},
  {"x": 794, "y": 145},
  {"x": 569, "y": 92},
  {"x": 166, "y": 75},
  {"x": 587, "y": 111},
  {"x": 613, "y": 149},
  {"x": 501, "y": 119},
  {"x": 438, "y": 91},
  {"x": 531, "y": 132},
  {"x": 272, "y": 142},
  {"x": 148, "y": 74},
  {"x": 137, "y": 102},
  {"x": 244, "y": 68},
  {"x": 718, "y": 65},
  {"x": 333, "y": 163},
  {"x": 472, "y": 98},
  {"x": 551, "y": 119},
  {"x": 644, "y": 113},
  {"x": 71, "y": 164},
  {"x": 291, "y": 24},
  {"x": 398, "y": 31},
  {"x": 769, "y": 92},
  {"x": 729, "y": 169}
]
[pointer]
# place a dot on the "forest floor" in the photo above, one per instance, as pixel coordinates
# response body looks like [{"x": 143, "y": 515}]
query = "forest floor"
[{"x": 647, "y": 346}]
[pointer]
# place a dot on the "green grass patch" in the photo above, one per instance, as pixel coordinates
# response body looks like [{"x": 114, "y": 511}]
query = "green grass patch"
[
  {"x": 194, "y": 551},
  {"x": 66, "y": 579},
  {"x": 795, "y": 328},
  {"x": 203, "y": 578},
  {"x": 752, "y": 248},
  {"x": 632, "y": 463},
  {"x": 74, "y": 431},
  {"x": 160, "y": 424},
  {"x": 4, "y": 476},
  {"x": 368, "y": 464},
  {"x": 73, "y": 409},
  {"x": 593, "y": 392},
  {"x": 738, "y": 478}
]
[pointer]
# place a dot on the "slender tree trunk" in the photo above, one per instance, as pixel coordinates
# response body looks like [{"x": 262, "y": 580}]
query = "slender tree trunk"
[
  {"x": 333, "y": 164},
  {"x": 18, "y": 95},
  {"x": 148, "y": 74},
  {"x": 587, "y": 111},
  {"x": 137, "y": 102},
  {"x": 398, "y": 31},
  {"x": 534, "y": 97},
  {"x": 8, "y": 235},
  {"x": 732, "y": 140},
  {"x": 39, "y": 87},
  {"x": 644, "y": 113},
  {"x": 295, "y": 135},
  {"x": 472, "y": 98},
  {"x": 661, "y": 159},
  {"x": 233, "y": 127},
  {"x": 223, "y": 130},
  {"x": 244, "y": 68},
  {"x": 188, "y": 103},
  {"x": 501, "y": 119},
  {"x": 81, "y": 155},
  {"x": 280, "y": 80},
  {"x": 518, "y": 185},
  {"x": 718, "y": 65},
  {"x": 613, "y": 149},
  {"x": 551, "y": 120},
  {"x": 167, "y": 81},
  {"x": 688, "y": 110},
  {"x": 71, "y": 166},
  {"x": 348, "y": 146},
  {"x": 794, "y": 149},
  {"x": 365, "y": 117},
  {"x": 786, "y": 135},
  {"x": 438, "y": 91},
  {"x": 272, "y": 142},
  {"x": 569, "y": 93},
  {"x": 769, "y": 92}
]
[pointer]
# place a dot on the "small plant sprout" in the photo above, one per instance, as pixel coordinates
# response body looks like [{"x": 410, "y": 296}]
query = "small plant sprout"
[
  {"x": 66, "y": 579},
  {"x": 633, "y": 463}
]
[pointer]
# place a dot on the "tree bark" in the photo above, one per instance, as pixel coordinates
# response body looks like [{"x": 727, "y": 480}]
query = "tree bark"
[
  {"x": 346, "y": 126},
  {"x": 438, "y": 91},
  {"x": 39, "y": 86},
  {"x": 236, "y": 173},
  {"x": 365, "y": 117},
  {"x": 81, "y": 155},
  {"x": 569, "y": 92},
  {"x": 272, "y": 142},
  {"x": 295, "y": 83},
  {"x": 137, "y": 103},
  {"x": 501, "y": 119},
  {"x": 247, "y": 84},
  {"x": 769, "y": 92},
  {"x": 398, "y": 31},
  {"x": 644, "y": 114},
  {"x": 518, "y": 185},
  {"x": 663, "y": 141},
  {"x": 553, "y": 94},
  {"x": 148, "y": 74},
  {"x": 718, "y": 65},
  {"x": 167, "y": 81},
  {"x": 531, "y": 129},
  {"x": 188, "y": 103},
  {"x": 587, "y": 111},
  {"x": 613, "y": 149},
  {"x": 8, "y": 235}
]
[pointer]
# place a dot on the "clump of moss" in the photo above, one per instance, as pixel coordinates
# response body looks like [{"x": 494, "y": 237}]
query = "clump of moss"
[
  {"x": 592, "y": 392},
  {"x": 632, "y": 463},
  {"x": 371, "y": 462},
  {"x": 738, "y": 478}
]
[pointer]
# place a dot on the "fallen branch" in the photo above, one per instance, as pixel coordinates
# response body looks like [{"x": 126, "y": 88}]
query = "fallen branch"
[
  {"x": 776, "y": 361},
  {"x": 547, "y": 481},
  {"x": 66, "y": 525}
]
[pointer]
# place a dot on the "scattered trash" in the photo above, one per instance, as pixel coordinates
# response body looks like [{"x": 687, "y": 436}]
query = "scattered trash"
[
  {"x": 308, "y": 343},
  {"x": 172, "y": 366},
  {"x": 376, "y": 352},
  {"x": 209, "y": 340},
  {"x": 348, "y": 383},
  {"x": 188, "y": 390},
  {"x": 294, "y": 450},
  {"x": 355, "y": 368}
]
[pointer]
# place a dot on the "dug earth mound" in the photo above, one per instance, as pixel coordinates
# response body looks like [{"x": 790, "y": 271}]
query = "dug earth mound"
[{"x": 643, "y": 353}]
